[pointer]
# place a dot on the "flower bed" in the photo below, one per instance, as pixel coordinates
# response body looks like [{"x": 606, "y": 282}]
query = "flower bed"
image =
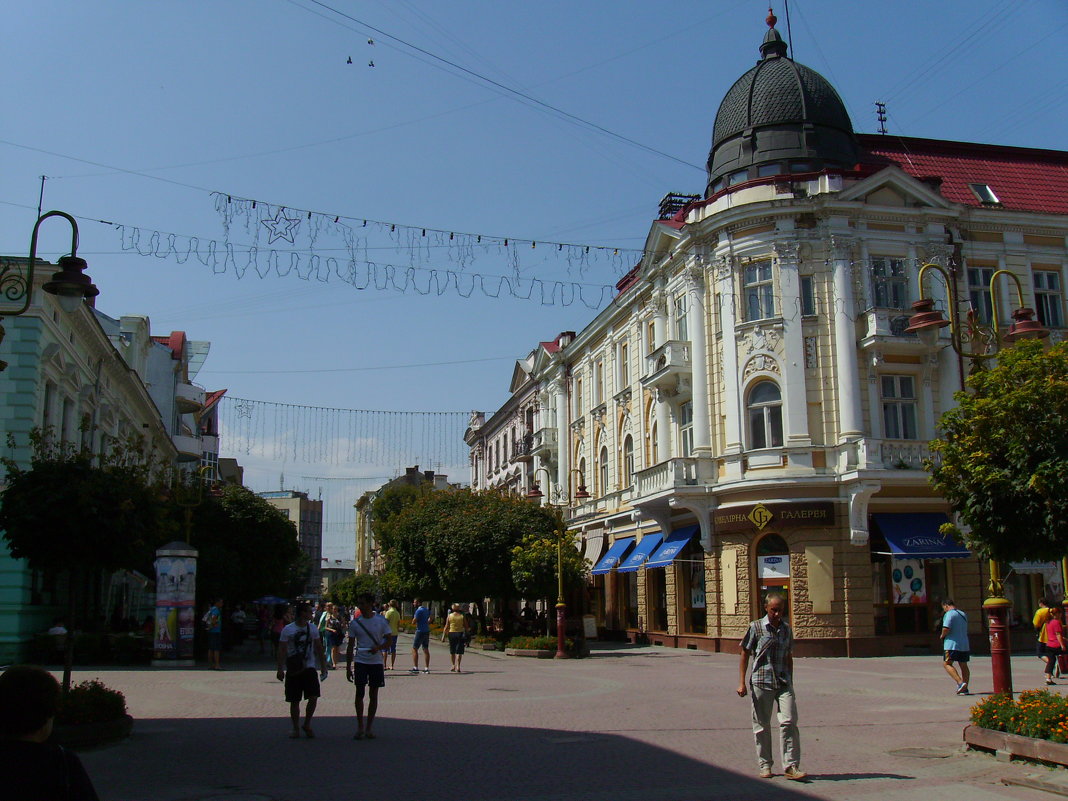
[
  {"x": 1035, "y": 713},
  {"x": 91, "y": 714}
]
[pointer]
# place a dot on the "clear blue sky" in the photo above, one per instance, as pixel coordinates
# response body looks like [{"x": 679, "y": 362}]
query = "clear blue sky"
[{"x": 257, "y": 99}]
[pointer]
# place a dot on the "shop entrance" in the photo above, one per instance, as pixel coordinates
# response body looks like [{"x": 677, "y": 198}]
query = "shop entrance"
[{"x": 773, "y": 569}]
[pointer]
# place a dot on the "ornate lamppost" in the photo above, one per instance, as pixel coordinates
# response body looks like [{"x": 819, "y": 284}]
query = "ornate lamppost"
[
  {"x": 558, "y": 500},
  {"x": 978, "y": 342},
  {"x": 70, "y": 284}
]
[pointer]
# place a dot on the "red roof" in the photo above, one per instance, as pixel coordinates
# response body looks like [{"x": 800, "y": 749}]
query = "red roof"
[
  {"x": 176, "y": 342},
  {"x": 212, "y": 397},
  {"x": 1022, "y": 179}
]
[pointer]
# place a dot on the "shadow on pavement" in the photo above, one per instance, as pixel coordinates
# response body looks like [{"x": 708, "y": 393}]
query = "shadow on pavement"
[
  {"x": 193, "y": 759},
  {"x": 848, "y": 777}
]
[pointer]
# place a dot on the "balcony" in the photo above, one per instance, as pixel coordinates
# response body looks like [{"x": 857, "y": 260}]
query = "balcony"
[
  {"x": 668, "y": 368},
  {"x": 523, "y": 448},
  {"x": 189, "y": 397},
  {"x": 678, "y": 472},
  {"x": 893, "y": 454},
  {"x": 543, "y": 442},
  {"x": 188, "y": 447},
  {"x": 883, "y": 326}
]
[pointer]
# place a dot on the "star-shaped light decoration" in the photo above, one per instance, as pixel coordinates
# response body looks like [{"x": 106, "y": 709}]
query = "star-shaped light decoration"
[{"x": 282, "y": 227}]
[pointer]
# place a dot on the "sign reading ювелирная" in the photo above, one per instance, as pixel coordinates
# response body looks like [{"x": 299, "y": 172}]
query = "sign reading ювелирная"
[{"x": 760, "y": 516}]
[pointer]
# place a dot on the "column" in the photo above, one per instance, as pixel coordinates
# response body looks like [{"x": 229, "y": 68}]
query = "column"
[
  {"x": 563, "y": 440},
  {"x": 795, "y": 395},
  {"x": 845, "y": 342},
  {"x": 732, "y": 411},
  {"x": 695, "y": 290},
  {"x": 660, "y": 331}
]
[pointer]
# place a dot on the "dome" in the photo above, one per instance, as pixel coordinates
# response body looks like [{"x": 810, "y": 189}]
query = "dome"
[{"x": 779, "y": 117}]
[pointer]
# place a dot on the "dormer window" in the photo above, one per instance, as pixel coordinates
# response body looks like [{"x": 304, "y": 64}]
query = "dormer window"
[{"x": 985, "y": 194}]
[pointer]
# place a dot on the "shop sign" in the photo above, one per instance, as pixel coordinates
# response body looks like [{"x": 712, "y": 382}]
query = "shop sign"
[
  {"x": 775, "y": 515},
  {"x": 774, "y": 567}
]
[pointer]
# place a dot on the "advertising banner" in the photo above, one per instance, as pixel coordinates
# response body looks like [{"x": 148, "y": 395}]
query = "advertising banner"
[
  {"x": 176, "y": 574},
  {"x": 910, "y": 581}
]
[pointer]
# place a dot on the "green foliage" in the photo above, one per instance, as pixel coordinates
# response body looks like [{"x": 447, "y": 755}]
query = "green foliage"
[
  {"x": 1035, "y": 713},
  {"x": 90, "y": 702},
  {"x": 534, "y": 563},
  {"x": 541, "y": 644},
  {"x": 248, "y": 548},
  {"x": 72, "y": 509},
  {"x": 1004, "y": 455},
  {"x": 384, "y": 586},
  {"x": 388, "y": 504}
]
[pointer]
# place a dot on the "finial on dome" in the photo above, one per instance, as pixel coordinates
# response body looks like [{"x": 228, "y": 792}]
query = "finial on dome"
[
  {"x": 771, "y": 18},
  {"x": 773, "y": 45}
]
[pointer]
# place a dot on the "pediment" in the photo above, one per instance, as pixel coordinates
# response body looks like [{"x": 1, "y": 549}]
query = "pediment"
[
  {"x": 520, "y": 376},
  {"x": 894, "y": 187}
]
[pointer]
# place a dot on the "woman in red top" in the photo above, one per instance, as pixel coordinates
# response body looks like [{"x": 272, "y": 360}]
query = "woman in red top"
[{"x": 1055, "y": 641}]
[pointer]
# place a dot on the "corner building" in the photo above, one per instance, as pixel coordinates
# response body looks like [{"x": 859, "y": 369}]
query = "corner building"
[{"x": 750, "y": 414}]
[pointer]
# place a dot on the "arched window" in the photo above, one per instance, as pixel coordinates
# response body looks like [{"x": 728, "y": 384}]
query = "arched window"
[
  {"x": 582, "y": 472},
  {"x": 628, "y": 462},
  {"x": 654, "y": 451},
  {"x": 602, "y": 472},
  {"x": 765, "y": 416}
]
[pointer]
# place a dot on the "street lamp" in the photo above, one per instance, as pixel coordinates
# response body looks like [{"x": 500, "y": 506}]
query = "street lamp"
[
  {"x": 926, "y": 322},
  {"x": 558, "y": 500},
  {"x": 70, "y": 285}
]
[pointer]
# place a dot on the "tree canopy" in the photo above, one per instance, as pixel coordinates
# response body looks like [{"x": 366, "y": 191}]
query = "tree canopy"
[
  {"x": 534, "y": 563},
  {"x": 1002, "y": 459}
]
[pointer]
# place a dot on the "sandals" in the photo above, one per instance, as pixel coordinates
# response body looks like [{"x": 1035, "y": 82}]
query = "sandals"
[
  {"x": 294, "y": 735},
  {"x": 308, "y": 732},
  {"x": 358, "y": 735}
]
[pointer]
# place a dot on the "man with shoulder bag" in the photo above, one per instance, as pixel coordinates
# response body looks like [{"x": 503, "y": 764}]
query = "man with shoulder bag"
[
  {"x": 300, "y": 654},
  {"x": 369, "y": 636}
]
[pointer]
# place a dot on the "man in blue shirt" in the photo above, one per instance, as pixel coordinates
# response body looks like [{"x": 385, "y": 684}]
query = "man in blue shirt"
[
  {"x": 955, "y": 645},
  {"x": 422, "y": 637}
]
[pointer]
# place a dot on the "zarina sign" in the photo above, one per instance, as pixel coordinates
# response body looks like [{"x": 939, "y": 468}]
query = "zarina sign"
[{"x": 785, "y": 515}]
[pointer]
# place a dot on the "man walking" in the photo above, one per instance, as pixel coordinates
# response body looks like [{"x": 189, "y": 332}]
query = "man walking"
[
  {"x": 422, "y": 637},
  {"x": 213, "y": 620},
  {"x": 392, "y": 616},
  {"x": 368, "y": 637},
  {"x": 300, "y": 654},
  {"x": 769, "y": 642},
  {"x": 955, "y": 646}
]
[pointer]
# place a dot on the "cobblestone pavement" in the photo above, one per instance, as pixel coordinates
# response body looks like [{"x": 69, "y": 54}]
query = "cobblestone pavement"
[{"x": 653, "y": 724}]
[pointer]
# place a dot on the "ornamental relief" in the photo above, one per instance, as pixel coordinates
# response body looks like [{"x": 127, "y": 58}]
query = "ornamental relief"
[
  {"x": 762, "y": 363},
  {"x": 762, "y": 339}
]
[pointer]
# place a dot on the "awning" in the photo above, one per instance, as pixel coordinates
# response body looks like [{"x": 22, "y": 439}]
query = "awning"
[
  {"x": 1042, "y": 568},
  {"x": 641, "y": 552},
  {"x": 611, "y": 559},
  {"x": 916, "y": 536},
  {"x": 671, "y": 547},
  {"x": 593, "y": 546}
]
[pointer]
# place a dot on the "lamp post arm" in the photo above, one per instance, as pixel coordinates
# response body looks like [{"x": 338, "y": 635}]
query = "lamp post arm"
[
  {"x": 954, "y": 317},
  {"x": 33, "y": 252},
  {"x": 994, "y": 298}
]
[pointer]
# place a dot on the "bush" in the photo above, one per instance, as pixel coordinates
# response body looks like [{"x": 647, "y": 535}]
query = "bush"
[
  {"x": 1036, "y": 713},
  {"x": 90, "y": 702},
  {"x": 540, "y": 644}
]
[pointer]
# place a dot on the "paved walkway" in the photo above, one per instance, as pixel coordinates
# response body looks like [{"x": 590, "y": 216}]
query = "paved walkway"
[{"x": 627, "y": 724}]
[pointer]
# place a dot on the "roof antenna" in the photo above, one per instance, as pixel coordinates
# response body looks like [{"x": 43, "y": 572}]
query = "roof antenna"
[
  {"x": 789, "y": 31},
  {"x": 880, "y": 114}
]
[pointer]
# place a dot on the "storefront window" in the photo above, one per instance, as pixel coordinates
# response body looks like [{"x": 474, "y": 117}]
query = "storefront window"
[
  {"x": 656, "y": 593},
  {"x": 690, "y": 581},
  {"x": 906, "y": 593},
  {"x": 628, "y": 592},
  {"x": 773, "y": 569}
]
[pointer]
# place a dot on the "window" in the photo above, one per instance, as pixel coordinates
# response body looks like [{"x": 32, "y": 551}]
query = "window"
[
  {"x": 686, "y": 429},
  {"x": 628, "y": 462},
  {"x": 681, "y": 330},
  {"x": 582, "y": 472},
  {"x": 889, "y": 285},
  {"x": 650, "y": 337},
  {"x": 1048, "y": 301},
  {"x": 66, "y": 421},
  {"x": 766, "y": 170},
  {"x": 800, "y": 166},
  {"x": 979, "y": 292},
  {"x": 899, "y": 407},
  {"x": 623, "y": 357},
  {"x": 578, "y": 396},
  {"x": 598, "y": 382},
  {"x": 984, "y": 193},
  {"x": 46, "y": 414},
  {"x": 757, "y": 291},
  {"x": 602, "y": 471},
  {"x": 738, "y": 177},
  {"x": 808, "y": 296},
  {"x": 765, "y": 416}
]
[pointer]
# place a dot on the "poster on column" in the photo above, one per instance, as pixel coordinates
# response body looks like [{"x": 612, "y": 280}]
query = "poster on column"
[
  {"x": 910, "y": 581},
  {"x": 175, "y": 613}
]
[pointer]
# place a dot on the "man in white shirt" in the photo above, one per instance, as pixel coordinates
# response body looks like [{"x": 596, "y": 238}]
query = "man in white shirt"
[
  {"x": 300, "y": 652},
  {"x": 369, "y": 634}
]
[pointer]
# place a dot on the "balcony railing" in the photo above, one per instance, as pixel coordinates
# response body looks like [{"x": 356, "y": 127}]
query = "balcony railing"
[
  {"x": 892, "y": 454},
  {"x": 543, "y": 442},
  {"x": 668, "y": 366},
  {"x": 678, "y": 472},
  {"x": 189, "y": 397}
]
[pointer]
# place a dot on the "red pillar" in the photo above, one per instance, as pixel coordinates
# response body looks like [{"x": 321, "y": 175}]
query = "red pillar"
[
  {"x": 561, "y": 630},
  {"x": 997, "y": 619}
]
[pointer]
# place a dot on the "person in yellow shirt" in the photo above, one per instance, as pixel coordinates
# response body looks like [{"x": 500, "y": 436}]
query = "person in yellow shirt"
[
  {"x": 1042, "y": 616},
  {"x": 389, "y": 651},
  {"x": 456, "y": 630}
]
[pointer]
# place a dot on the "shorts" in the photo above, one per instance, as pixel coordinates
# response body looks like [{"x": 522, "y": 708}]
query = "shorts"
[
  {"x": 304, "y": 684},
  {"x": 375, "y": 675},
  {"x": 392, "y": 647},
  {"x": 457, "y": 640},
  {"x": 422, "y": 640},
  {"x": 956, "y": 656},
  {"x": 214, "y": 640}
]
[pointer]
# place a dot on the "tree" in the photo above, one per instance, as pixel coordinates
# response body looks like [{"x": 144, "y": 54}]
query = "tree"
[
  {"x": 534, "y": 564},
  {"x": 1003, "y": 452},
  {"x": 78, "y": 512},
  {"x": 247, "y": 547}
]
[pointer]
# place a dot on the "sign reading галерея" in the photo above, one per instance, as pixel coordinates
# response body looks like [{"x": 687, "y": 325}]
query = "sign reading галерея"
[{"x": 761, "y": 515}]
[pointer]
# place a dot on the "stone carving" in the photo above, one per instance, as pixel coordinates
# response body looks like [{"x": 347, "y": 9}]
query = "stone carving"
[
  {"x": 762, "y": 339},
  {"x": 761, "y": 363},
  {"x": 788, "y": 251},
  {"x": 811, "y": 356}
]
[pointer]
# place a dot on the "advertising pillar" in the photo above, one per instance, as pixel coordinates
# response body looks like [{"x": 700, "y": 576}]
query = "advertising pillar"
[{"x": 176, "y": 586}]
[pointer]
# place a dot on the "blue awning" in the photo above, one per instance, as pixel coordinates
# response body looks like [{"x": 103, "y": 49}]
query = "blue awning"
[
  {"x": 672, "y": 546},
  {"x": 611, "y": 559},
  {"x": 641, "y": 552},
  {"x": 916, "y": 536}
]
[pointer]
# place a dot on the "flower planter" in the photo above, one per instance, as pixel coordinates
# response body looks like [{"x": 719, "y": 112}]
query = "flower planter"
[
  {"x": 485, "y": 646},
  {"x": 537, "y": 653},
  {"x": 87, "y": 735},
  {"x": 1016, "y": 745}
]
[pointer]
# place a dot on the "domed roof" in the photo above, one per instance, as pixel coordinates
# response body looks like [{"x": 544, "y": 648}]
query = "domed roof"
[{"x": 779, "y": 112}]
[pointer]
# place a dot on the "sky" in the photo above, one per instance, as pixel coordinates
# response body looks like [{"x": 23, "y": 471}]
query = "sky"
[{"x": 541, "y": 136}]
